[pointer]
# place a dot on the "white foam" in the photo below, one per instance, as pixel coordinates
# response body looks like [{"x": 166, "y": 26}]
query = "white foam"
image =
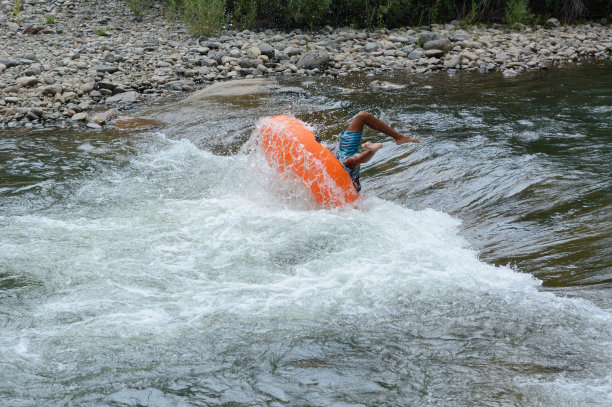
[{"x": 182, "y": 239}]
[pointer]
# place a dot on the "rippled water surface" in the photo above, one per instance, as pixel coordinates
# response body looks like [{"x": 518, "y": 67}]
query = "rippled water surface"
[{"x": 173, "y": 267}]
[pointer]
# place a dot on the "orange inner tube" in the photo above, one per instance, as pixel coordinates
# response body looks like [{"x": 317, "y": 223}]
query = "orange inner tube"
[{"x": 289, "y": 146}]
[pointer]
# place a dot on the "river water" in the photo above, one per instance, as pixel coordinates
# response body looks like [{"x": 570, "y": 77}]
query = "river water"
[{"x": 173, "y": 268}]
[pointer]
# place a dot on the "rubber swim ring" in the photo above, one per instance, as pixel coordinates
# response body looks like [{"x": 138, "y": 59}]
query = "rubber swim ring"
[{"x": 289, "y": 146}]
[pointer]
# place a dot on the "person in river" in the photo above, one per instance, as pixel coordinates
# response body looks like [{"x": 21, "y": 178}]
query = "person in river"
[{"x": 348, "y": 151}]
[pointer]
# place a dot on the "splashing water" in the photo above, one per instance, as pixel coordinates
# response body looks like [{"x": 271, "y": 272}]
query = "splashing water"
[{"x": 145, "y": 270}]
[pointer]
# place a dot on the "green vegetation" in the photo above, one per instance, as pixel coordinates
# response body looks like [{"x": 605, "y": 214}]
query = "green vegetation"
[
  {"x": 102, "y": 31},
  {"x": 17, "y": 12},
  {"x": 136, "y": 7},
  {"x": 517, "y": 13},
  {"x": 210, "y": 16},
  {"x": 50, "y": 19}
]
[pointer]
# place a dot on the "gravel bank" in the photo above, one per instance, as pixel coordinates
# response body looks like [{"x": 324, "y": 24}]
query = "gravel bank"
[{"x": 77, "y": 62}]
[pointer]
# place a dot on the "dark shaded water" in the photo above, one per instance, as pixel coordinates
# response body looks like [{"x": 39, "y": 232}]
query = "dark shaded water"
[{"x": 171, "y": 268}]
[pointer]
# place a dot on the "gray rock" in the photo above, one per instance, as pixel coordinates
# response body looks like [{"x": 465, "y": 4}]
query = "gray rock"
[
  {"x": 31, "y": 115},
  {"x": 217, "y": 55},
  {"x": 266, "y": 50},
  {"x": 553, "y": 23},
  {"x": 435, "y": 53},
  {"x": 510, "y": 73},
  {"x": 371, "y": 46},
  {"x": 314, "y": 59},
  {"x": 160, "y": 80},
  {"x": 111, "y": 58},
  {"x": 68, "y": 96},
  {"x": 280, "y": 56},
  {"x": 8, "y": 63},
  {"x": 106, "y": 68},
  {"x": 79, "y": 117},
  {"x": 27, "y": 81},
  {"x": 415, "y": 55},
  {"x": 291, "y": 51},
  {"x": 103, "y": 117},
  {"x": 51, "y": 90},
  {"x": 37, "y": 111},
  {"x": 127, "y": 97},
  {"x": 248, "y": 63},
  {"x": 12, "y": 99},
  {"x": 94, "y": 126},
  {"x": 210, "y": 44},
  {"x": 456, "y": 37},
  {"x": 32, "y": 70},
  {"x": 253, "y": 52},
  {"x": 87, "y": 87},
  {"x": 174, "y": 85},
  {"x": 469, "y": 55},
  {"x": 454, "y": 61},
  {"x": 106, "y": 85},
  {"x": 501, "y": 57},
  {"x": 427, "y": 36},
  {"x": 444, "y": 44}
]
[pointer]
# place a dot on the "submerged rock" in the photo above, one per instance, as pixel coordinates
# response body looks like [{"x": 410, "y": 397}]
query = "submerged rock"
[
  {"x": 376, "y": 84},
  {"x": 136, "y": 123},
  {"x": 236, "y": 87}
]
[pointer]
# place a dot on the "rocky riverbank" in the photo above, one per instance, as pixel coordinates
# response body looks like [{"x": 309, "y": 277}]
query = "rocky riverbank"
[{"x": 82, "y": 62}]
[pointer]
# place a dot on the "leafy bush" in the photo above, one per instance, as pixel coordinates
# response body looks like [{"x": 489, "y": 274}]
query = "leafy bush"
[
  {"x": 209, "y": 16},
  {"x": 136, "y": 7},
  {"x": 243, "y": 13},
  {"x": 201, "y": 16},
  {"x": 309, "y": 13},
  {"x": 517, "y": 12}
]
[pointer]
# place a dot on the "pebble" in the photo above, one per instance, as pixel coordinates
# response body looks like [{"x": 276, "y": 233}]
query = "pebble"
[{"x": 68, "y": 69}]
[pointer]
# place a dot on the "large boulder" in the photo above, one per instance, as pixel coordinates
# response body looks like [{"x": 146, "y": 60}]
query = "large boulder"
[{"x": 314, "y": 59}]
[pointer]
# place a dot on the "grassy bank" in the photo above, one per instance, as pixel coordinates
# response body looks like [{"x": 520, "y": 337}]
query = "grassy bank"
[{"x": 208, "y": 16}]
